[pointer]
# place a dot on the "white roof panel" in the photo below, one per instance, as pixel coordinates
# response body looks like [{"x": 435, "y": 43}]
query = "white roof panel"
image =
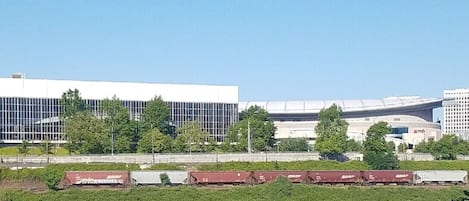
[
  {"x": 40, "y": 88},
  {"x": 353, "y": 104},
  {"x": 346, "y": 105},
  {"x": 314, "y": 105},
  {"x": 276, "y": 106},
  {"x": 390, "y": 102},
  {"x": 295, "y": 105}
]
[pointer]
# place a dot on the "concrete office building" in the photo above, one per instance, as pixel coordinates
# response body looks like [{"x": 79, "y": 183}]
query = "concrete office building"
[
  {"x": 30, "y": 109},
  {"x": 456, "y": 112},
  {"x": 411, "y": 118}
]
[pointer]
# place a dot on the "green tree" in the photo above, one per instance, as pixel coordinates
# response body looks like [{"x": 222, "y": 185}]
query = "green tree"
[
  {"x": 353, "y": 146},
  {"x": 446, "y": 148},
  {"x": 155, "y": 141},
  {"x": 425, "y": 147},
  {"x": 261, "y": 126},
  {"x": 211, "y": 145},
  {"x": 226, "y": 146},
  {"x": 331, "y": 131},
  {"x": 165, "y": 180},
  {"x": 86, "y": 134},
  {"x": 377, "y": 153},
  {"x": 23, "y": 148},
  {"x": 464, "y": 197},
  {"x": 71, "y": 103},
  {"x": 280, "y": 189},
  {"x": 402, "y": 148},
  {"x": 293, "y": 144},
  {"x": 122, "y": 144},
  {"x": 46, "y": 146},
  {"x": 117, "y": 120},
  {"x": 52, "y": 177},
  {"x": 156, "y": 115},
  {"x": 463, "y": 147},
  {"x": 391, "y": 145},
  {"x": 190, "y": 137}
]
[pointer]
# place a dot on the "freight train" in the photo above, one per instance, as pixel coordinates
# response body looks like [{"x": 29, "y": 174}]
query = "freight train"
[{"x": 317, "y": 177}]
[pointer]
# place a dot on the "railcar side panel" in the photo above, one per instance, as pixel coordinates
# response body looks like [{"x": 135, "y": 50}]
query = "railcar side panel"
[
  {"x": 292, "y": 176},
  {"x": 72, "y": 178},
  {"x": 440, "y": 177},
  {"x": 154, "y": 177},
  {"x": 387, "y": 177},
  {"x": 335, "y": 177},
  {"x": 222, "y": 177}
]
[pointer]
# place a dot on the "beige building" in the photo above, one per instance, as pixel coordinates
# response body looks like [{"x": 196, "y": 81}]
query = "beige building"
[{"x": 411, "y": 118}]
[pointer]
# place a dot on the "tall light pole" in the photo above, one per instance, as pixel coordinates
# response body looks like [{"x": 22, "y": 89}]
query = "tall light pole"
[
  {"x": 112, "y": 140},
  {"x": 152, "y": 143},
  {"x": 190, "y": 145},
  {"x": 46, "y": 136},
  {"x": 249, "y": 140},
  {"x": 47, "y": 147},
  {"x": 152, "y": 147}
]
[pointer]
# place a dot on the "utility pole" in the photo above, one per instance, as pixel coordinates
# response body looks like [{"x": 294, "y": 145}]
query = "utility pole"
[
  {"x": 152, "y": 147},
  {"x": 112, "y": 140},
  {"x": 46, "y": 136},
  {"x": 190, "y": 145},
  {"x": 249, "y": 141},
  {"x": 152, "y": 143},
  {"x": 47, "y": 147}
]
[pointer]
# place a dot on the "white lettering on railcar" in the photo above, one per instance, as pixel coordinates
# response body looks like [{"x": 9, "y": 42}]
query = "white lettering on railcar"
[
  {"x": 402, "y": 175},
  {"x": 350, "y": 176},
  {"x": 99, "y": 181},
  {"x": 293, "y": 176},
  {"x": 113, "y": 176}
]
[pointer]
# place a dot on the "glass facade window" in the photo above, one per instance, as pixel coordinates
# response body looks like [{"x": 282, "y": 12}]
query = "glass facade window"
[
  {"x": 399, "y": 130},
  {"x": 37, "y": 119}
]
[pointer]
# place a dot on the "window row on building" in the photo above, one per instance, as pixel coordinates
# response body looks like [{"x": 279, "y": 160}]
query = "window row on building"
[{"x": 39, "y": 118}]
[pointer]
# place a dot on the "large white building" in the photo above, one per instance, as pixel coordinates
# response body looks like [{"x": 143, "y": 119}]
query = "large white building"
[
  {"x": 456, "y": 112},
  {"x": 411, "y": 118},
  {"x": 30, "y": 109}
]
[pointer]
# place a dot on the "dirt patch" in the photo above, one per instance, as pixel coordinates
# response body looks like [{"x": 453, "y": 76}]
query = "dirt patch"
[{"x": 32, "y": 186}]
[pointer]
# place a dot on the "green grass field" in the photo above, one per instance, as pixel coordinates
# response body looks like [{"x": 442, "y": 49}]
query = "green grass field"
[
  {"x": 33, "y": 151},
  {"x": 270, "y": 192}
]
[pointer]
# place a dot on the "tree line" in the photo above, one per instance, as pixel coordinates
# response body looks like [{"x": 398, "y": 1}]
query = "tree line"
[
  {"x": 332, "y": 141},
  {"x": 111, "y": 129},
  {"x": 447, "y": 148}
]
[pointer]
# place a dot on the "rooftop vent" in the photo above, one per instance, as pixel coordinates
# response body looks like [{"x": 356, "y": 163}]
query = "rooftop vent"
[{"x": 17, "y": 75}]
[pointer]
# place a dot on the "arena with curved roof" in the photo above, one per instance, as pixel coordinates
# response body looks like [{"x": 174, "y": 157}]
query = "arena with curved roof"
[{"x": 411, "y": 118}]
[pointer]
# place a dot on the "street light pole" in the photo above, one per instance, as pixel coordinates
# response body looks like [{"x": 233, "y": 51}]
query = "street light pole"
[
  {"x": 249, "y": 140},
  {"x": 112, "y": 140},
  {"x": 47, "y": 148},
  {"x": 152, "y": 148},
  {"x": 152, "y": 143},
  {"x": 190, "y": 145}
]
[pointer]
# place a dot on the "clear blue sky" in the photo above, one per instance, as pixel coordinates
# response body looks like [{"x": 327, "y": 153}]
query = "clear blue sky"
[{"x": 273, "y": 50}]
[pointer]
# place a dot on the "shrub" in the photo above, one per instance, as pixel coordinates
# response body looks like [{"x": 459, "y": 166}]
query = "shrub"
[{"x": 165, "y": 179}]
